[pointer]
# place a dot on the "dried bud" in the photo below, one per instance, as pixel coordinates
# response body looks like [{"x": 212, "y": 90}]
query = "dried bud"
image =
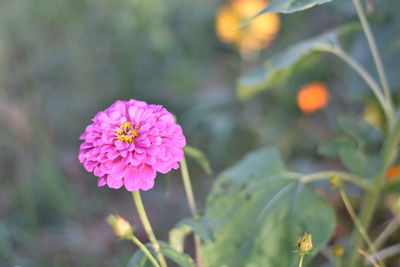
[
  {"x": 122, "y": 228},
  {"x": 304, "y": 243},
  {"x": 338, "y": 251},
  {"x": 335, "y": 182}
]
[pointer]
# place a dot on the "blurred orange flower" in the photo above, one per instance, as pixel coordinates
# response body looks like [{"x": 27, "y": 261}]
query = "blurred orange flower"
[
  {"x": 393, "y": 172},
  {"x": 249, "y": 36},
  {"x": 312, "y": 97}
]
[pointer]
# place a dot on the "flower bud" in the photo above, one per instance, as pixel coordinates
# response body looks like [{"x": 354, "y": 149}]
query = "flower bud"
[
  {"x": 304, "y": 243},
  {"x": 338, "y": 251},
  {"x": 335, "y": 182},
  {"x": 122, "y": 228}
]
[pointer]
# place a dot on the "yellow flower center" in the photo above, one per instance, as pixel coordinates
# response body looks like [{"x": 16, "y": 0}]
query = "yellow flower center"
[{"x": 126, "y": 132}]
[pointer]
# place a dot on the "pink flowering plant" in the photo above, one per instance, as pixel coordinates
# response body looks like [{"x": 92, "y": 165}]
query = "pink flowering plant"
[
  {"x": 257, "y": 209},
  {"x": 129, "y": 142}
]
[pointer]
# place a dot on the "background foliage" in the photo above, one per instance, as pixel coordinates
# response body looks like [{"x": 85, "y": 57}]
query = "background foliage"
[{"x": 62, "y": 61}]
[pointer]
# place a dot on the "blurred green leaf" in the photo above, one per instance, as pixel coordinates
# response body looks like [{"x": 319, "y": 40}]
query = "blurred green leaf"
[
  {"x": 203, "y": 227},
  {"x": 178, "y": 235},
  {"x": 140, "y": 260},
  {"x": 353, "y": 159},
  {"x": 362, "y": 132},
  {"x": 290, "y": 6},
  {"x": 332, "y": 147},
  {"x": 262, "y": 211},
  {"x": 200, "y": 157},
  {"x": 279, "y": 66},
  {"x": 373, "y": 166},
  {"x": 180, "y": 258}
]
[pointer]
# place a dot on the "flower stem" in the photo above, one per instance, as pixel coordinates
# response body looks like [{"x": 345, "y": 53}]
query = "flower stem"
[
  {"x": 388, "y": 231},
  {"x": 144, "y": 249},
  {"x": 372, "y": 198},
  {"x": 374, "y": 51},
  {"x": 192, "y": 205},
  {"x": 374, "y": 86},
  {"x": 344, "y": 176},
  {"x": 301, "y": 260},
  {"x": 356, "y": 221},
  {"x": 188, "y": 186},
  {"x": 147, "y": 227}
]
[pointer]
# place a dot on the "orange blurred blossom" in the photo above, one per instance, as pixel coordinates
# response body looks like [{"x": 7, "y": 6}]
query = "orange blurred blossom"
[
  {"x": 312, "y": 97},
  {"x": 232, "y": 25},
  {"x": 393, "y": 172}
]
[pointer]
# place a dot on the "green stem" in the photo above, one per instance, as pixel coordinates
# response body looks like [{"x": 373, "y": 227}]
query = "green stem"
[
  {"x": 192, "y": 205},
  {"x": 147, "y": 227},
  {"x": 188, "y": 186},
  {"x": 338, "y": 262},
  {"x": 356, "y": 221},
  {"x": 377, "y": 91},
  {"x": 367, "y": 210},
  {"x": 301, "y": 260},
  {"x": 374, "y": 51},
  {"x": 387, "y": 232},
  {"x": 372, "y": 198},
  {"x": 343, "y": 176},
  {"x": 144, "y": 249}
]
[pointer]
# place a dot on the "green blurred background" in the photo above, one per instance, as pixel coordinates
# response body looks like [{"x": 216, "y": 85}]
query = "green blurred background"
[{"x": 62, "y": 61}]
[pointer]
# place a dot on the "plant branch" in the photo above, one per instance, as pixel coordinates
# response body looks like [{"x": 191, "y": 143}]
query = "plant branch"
[
  {"x": 144, "y": 249},
  {"x": 343, "y": 176},
  {"x": 374, "y": 86},
  {"x": 375, "y": 52},
  {"x": 192, "y": 205},
  {"x": 368, "y": 257},
  {"x": 147, "y": 227},
  {"x": 387, "y": 252},
  {"x": 368, "y": 208},
  {"x": 301, "y": 260},
  {"x": 356, "y": 221},
  {"x": 388, "y": 231}
]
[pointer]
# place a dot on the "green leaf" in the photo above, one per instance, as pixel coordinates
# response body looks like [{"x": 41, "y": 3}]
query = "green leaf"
[
  {"x": 353, "y": 159},
  {"x": 182, "y": 259},
  {"x": 262, "y": 211},
  {"x": 290, "y": 6},
  {"x": 362, "y": 132},
  {"x": 203, "y": 227},
  {"x": 278, "y": 67},
  {"x": 373, "y": 166},
  {"x": 178, "y": 235},
  {"x": 200, "y": 157},
  {"x": 140, "y": 260},
  {"x": 332, "y": 147}
]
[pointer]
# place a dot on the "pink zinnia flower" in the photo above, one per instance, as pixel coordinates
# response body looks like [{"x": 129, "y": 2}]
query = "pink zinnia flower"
[{"x": 129, "y": 142}]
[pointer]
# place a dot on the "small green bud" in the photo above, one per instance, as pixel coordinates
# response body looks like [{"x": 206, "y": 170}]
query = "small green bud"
[
  {"x": 338, "y": 251},
  {"x": 122, "y": 228},
  {"x": 335, "y": 182},
  {"x": 304, "y": 243}
]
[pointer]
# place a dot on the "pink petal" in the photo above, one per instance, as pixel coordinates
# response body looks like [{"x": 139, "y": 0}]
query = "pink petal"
[
  {"x": 139, "y": 178},
  {"x": 112, "y": 183},
  {"x": 118, "y": 171},
  {"x": 89, "y": 165},
  {"x": 113, "y": 154},
  {"x": 102, "y": 181},
  {"x": 147, "y": 184},
  {"x": 98, "y": 171}
]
